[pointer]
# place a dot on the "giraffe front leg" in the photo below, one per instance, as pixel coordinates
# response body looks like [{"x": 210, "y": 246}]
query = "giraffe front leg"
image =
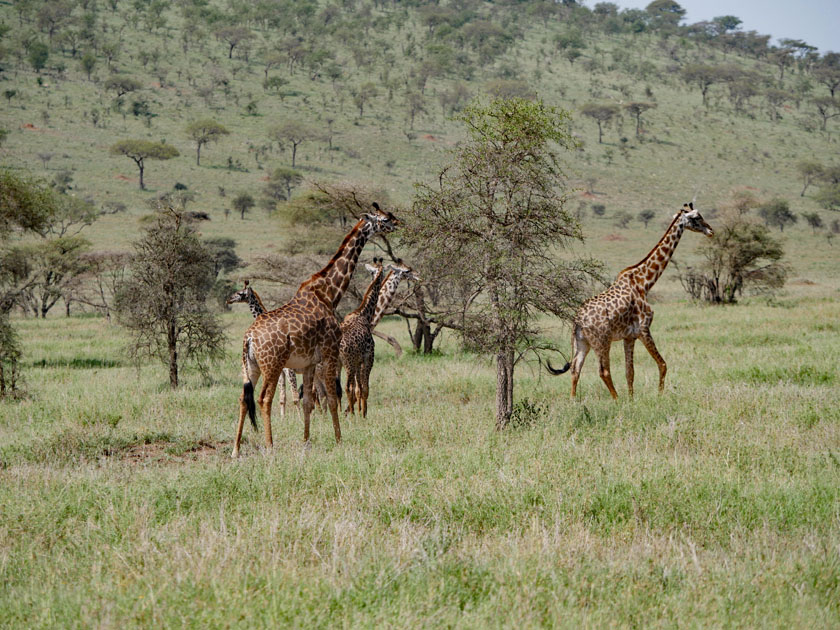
[
  {"x": 629, "y": 343},
  {"x": 330, "y": 373},
  {"x": 282, "y": 384},
  {"x": 294, "y": 385},
  {"x": 266, "y": 396},
  {"x": 647, "y": 341}
]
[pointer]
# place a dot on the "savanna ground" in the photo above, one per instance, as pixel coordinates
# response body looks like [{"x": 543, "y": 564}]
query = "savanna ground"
[{"x": 715, "y": 504}]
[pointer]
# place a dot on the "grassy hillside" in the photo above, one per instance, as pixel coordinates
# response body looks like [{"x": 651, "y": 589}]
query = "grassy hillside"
[{"x": 382, "y": 51}]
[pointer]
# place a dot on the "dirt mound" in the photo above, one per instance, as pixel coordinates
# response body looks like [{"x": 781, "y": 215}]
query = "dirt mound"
[
  {"x": 163, "y": 451},
  {"x": 614, "y": 237}
]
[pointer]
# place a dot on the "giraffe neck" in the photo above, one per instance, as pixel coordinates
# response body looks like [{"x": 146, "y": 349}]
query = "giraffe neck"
[
  {"x": 255, "y": 304},
  {"x": 331, "y": 282},
  {"x": 368, "y": 306},
  {"x": 385, "y": 296},
  {"x": 648, "y": 271}
]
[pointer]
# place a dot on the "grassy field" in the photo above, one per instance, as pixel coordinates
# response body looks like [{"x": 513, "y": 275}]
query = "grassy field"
[{"x": 715, "y": 504}]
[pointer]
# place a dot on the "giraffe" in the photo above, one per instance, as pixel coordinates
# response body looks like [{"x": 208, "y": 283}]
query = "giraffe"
[
  {"x": 303, "y": 332},
  {"x": 357, "y": 346},
  {"x": 252, "y": 298},
  {"x": 623, "y": 312},
  {"x": 397, "y": 271}
]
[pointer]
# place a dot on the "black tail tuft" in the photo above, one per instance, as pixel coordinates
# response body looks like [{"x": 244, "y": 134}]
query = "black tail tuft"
[
  {"x": 248, "y": 396},
  {"x": 300, "y": 391},
  {"x": 551, "y": 370},
  {"x": 338, "y": 391}
]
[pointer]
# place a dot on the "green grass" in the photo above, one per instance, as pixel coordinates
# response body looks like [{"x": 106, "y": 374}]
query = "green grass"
[{"x": 717, "y": 502}]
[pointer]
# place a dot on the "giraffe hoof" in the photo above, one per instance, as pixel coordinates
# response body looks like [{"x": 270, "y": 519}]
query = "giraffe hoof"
[{"x": 234, "y": 454}]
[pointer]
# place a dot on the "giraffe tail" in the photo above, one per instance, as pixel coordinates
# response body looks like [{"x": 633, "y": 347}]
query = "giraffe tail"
[
  {"x": 338, "y": 391},
  {"x": 555, "y": 371},
  {"x": 248, "y": 397}
]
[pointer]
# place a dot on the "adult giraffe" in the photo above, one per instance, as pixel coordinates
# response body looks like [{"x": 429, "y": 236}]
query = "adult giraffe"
[
  {"x": 252, "y": 299},
  {"x": 303, "y": 332},
  {"x": 622, "y": 312}
]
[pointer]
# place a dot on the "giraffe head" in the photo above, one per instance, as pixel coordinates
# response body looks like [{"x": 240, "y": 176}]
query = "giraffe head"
[
  {"x": 402, "y": 270},
  {"x": 380, "y": 221},
  {"x": 690, "y": 219},
  {"x": 241, "y": 296},
  {"x": 374, "y": 268}
]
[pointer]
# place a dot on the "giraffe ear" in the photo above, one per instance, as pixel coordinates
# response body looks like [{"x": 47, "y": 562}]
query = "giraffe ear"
[
  {"x": 691, "y": 205},
  {"x": 376, "y": 205}
]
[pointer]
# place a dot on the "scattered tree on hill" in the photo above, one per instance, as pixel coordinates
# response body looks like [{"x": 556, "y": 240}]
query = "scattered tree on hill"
[
  {"x": 622, "y": 218},
  {"x": 242, "y": 203},
  {"x": 636, "y": 110},
  {"x": 293, "y": 132},
  {"x": 741, "y": 257},
  {"x": 777, "y": 212},
  {"x": 828, "y": 196},
  {"x": 494, "y": 240},
  {"x": 601, "y": 113},
  {"x": 281, "y": 182},
  {"x": 814, "y": 220},
  {"x": 645, "y": 216},
  {"x": 163, "y": 301},
  {"x": 833, "y": 231},
  {"x": 703, "y": 76},
  {"x": 809, "y": 171},
  {"x": 38, "y": 55},
  {"x": 142, "y": 150},
  {"x": 122, "y": 85},
  {"x": 203, "y": 132},
  {"x": 233, "y": 36},
  {"x": 827, "y": 107},
  {"x": 665, "y": 13},
  {"x": 88, "y": 63}
]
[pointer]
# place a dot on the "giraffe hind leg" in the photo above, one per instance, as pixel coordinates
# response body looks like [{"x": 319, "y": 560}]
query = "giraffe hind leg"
[
  {"x": 650, "y": 346},
  {"x": 581, "y": 349},
  {"x": 604, "y": 369},
  {"x": 628, "y": 363}
]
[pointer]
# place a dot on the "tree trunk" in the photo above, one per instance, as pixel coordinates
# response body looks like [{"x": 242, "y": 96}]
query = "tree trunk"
[
  {"x": 198, "y": 154},
  {"x": 172, "y": 341},
  {"x": 140, "y": 166},
  {"x": 294, "y": 153},
  {"x": 394, "y": 343},
  {"x": 504, "y": 388}
]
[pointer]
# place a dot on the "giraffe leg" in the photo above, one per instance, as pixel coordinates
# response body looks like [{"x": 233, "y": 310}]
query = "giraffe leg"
[
  {"x": 308, "y": 404},
  {"x": 293, "y": 383},
  {"x": 647, "y": 340},
  {"x": 266, "y": 396},
  {"x": 604, "y": 369},
  {"x": 364, "y": 383},
  {"x": 250, "y": 374},
  {"x": 581, "y": 349},
  {"x": 629, "y": 342},
  {"x": 330, "y": 371},
  {"x": 282, "y": 384},
  {"x": 351, "y": 389}
]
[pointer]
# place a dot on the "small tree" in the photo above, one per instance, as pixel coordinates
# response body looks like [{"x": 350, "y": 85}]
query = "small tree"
[
  {"x": 121, "y": 85},
  {"x": 38, "y": 55},
  {"x": 809, "y": 171},
  {"x": 777, "y": 212},
  {"x": 281, "y": 182},
  {"x": 163, "y": 301},
  {"x": 828, "y": 196},
  {"x": 645, "y": 216},
  {"x": 142, "y": 150},
  {"x": 814, "y": 220},
  {"x": 293, "y": 132},
  {"x": 601, "y": 113},
  {"x": 88, "y": 63},
  {"x": 242, "y": 203},
  {"x": 622, "y": 218},
  {"x": 636, "y": 110},
  {"x": 203, "y": 132},
  {"x": 490, "y": 226},
  {"x": 742, "y": 256}
]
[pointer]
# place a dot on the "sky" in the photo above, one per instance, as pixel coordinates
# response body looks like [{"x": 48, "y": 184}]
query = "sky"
[{"x": 815, "y": 21}]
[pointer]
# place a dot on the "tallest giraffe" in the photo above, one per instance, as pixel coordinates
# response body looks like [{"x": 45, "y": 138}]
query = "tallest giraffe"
[{"x": 304, "y": 332}]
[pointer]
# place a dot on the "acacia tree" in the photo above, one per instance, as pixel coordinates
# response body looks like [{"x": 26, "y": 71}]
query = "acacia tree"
[
  {"x": 163, "y": 303},
  {"x": 636, "y": 110},
  {"x": 142, "y": 150},
  {"x": 602, "y": 113},
  {"x": 742, "y": 256},
  {"x": 491, "y": 226},
  {"x": 809, "y": 171},
  {"x": 203, "y": 132},
  {"x": 293, "y": 132}
]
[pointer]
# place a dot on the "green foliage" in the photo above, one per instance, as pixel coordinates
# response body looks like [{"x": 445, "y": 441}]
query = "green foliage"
[
  {"x": 203, "y": 132},
  {"x": 741, "y": 257},
  {"x": 828, "y": 196},
  {"x": 162, "y": 303},
  {"x": 38, "y": 55},
  {"x": 242, "y": 203},
  {"x": 141, "y": 150},
  {"x": 776, "y": 212},
  {"x": 24, "y": 203}
]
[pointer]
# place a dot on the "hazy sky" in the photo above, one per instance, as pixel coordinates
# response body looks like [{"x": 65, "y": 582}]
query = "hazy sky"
[{"x": 815, "y": 21}]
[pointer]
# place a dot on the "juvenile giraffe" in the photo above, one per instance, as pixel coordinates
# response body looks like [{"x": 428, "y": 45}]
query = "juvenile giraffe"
[
  {"x": 397, "y": 271},
  {"x": 357, "y": 346},
  {"x": 252, "y": 298},
  {"x": 303, "y": 332},
  {"x": 622, "y": 312}
]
